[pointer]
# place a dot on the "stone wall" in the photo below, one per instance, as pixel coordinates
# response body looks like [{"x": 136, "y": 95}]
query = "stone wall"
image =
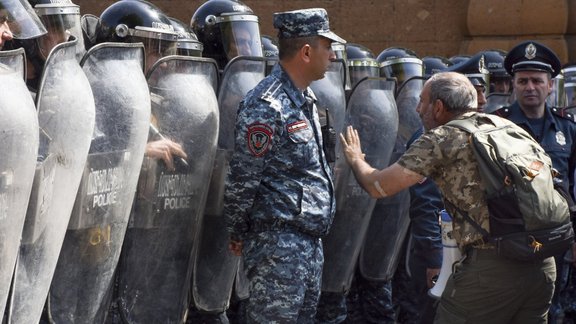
[{"x": 429, "y": 27}]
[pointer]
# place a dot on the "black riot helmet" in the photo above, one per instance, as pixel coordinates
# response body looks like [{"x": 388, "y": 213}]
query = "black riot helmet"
[
  {"x": 138, "y": 21},
  {"x": 21, "y": 18},
  {"x": 400, "y": 63},
  {"x": 457, "y": 59},
  {"x": 269, "y": 47},
  {"x": 227, "y": 29},
  {"x": 62, "y": 20},
  {"x": 500, "y": 80},
  {"x": 270, "y": 51},
  {"x": 361, "y": 63},
  {"x": 434, "y": 64},
  {"x": 188, "y": 44}
]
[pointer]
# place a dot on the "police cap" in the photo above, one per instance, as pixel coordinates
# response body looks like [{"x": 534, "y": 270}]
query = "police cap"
[
  {"x": 473, "y": 68},
  {"x": 532, "y": 56},
  {"x": 304, "y": 23}
]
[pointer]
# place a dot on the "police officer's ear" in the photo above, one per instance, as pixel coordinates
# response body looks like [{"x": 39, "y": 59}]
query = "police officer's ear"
[{"x": 305, "y": 53}]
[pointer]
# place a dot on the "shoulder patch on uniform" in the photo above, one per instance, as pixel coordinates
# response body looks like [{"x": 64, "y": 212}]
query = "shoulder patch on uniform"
[
  {"x": 296, "y": 126},
  {"x": 259, "y": 138},
  {"x": 563, "y": 113}
]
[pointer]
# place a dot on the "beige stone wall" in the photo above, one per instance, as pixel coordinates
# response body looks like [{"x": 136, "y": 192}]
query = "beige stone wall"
[{"x": 429, "y": 27}]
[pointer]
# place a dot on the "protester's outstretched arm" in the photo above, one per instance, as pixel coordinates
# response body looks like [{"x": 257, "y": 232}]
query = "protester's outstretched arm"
[{"x": 378, "y": 183}]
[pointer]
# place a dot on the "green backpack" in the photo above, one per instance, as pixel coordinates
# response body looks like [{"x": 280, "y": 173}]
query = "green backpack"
[{"x": 529, "y": 218}]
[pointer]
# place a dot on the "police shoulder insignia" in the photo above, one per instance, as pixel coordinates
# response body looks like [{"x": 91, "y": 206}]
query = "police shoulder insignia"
[
  {"x": 259, "y": 138},
  {"x": 502, "y": 112},
  {"x": 563, "y": 113}
]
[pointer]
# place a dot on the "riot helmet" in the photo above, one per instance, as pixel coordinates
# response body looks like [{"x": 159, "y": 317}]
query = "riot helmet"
[
  {"x": 500, "y": 80},
  {"x": 434, "y": 64},
  {"x": 227, "y": 29},
  {"x": 361, "y": 63},
  {"x": 457, "y": 59},
  {"x": 400, "y": 63},
  {"x": 21, "y": 19},
  {"x": 188, "y": 44},
  {"x": 269, "y": 47},
  {"x": 270, "y": 52},
  {"x": 569, "y": 72},
  {"x": 138, "y": 21},
  {"x": 61, "y": 19}
]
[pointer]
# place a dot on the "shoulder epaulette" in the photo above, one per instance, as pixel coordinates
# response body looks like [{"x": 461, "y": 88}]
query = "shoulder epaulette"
[
  {"x": 503, "y": 112},
  {"x": 563, "y": 113},
  {"x": 269, "y": 95}
]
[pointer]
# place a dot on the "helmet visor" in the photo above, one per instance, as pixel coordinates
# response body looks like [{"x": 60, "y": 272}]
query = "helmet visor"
[
  {"x": 241, "y": 37},
  {"x": 402, "y": 69},
  {"x": 570, "y": 89},
  {"x": 362, "y": 69},
  {"x": 62, "y": 19},
  {"x": 156, "y": 48},
  {"x": 21, "y": 19}
]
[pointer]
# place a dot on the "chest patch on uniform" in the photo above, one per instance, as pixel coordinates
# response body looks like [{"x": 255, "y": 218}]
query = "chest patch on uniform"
[
  {"x": 296, "y": 126},
  {"x": 259, "y": 138}
]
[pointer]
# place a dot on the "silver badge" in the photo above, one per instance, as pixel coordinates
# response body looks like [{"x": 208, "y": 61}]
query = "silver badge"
[
  {"x": 560, "y": 138},
  {"x": 530, "y": 51}
]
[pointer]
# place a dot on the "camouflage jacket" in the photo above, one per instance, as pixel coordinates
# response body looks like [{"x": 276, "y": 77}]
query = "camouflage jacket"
[
  {"x": 444, "y": 154},
  {"x": 278, "y": 177}
]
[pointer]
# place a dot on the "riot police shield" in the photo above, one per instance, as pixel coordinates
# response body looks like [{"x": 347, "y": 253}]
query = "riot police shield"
[
  {"x": 495, "y": 101},
  {"x": 169, "y": 204},
  {"x": 19, "y": 146},
  {"x": 372, "y": 111},
  {"x": 330, "y": 92},
  {"x": 81, "y": 286},
  {"x": 390, "y": 220},
  {"x": 14, "y": 60},
  {"x": 215, "y": 266},
  {"x": 407, "y": 98},
  {"x": 65, "y": 107}
]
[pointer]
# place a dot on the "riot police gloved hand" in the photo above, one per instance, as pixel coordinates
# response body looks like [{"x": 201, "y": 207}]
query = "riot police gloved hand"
[{"x": 166, "y": 150}]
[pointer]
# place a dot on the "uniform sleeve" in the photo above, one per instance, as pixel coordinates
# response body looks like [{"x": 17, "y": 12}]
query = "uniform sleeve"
[
  {"x": 255, "y": 131},
  {"x": 425, "y": 205}
]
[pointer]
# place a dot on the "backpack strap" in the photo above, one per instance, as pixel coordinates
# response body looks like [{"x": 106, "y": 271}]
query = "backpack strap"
[{"x": 485, "y": 235}]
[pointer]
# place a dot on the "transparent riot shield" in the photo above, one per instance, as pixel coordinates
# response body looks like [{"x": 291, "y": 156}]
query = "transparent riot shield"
[
  {"x": 215, "y": 266},
  {"x": 407, "y": 99},
  {"x": 330, "y": 92},
  {"x": 372, "y": 111},
  {"x": 155, "y": 266},
  {"x": 65, "y": 105},
  {"x": 80, "y": 289},
  {"x": 495, "y": 101},
  {"x": 390, "y": 217},
  {"x": 14, "y": 61},
  {"x": 19, "y": 147}
]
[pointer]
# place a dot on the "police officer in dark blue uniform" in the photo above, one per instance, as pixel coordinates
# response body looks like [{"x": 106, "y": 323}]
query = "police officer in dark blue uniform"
[
  {"x": 279, "y": 198},
  {"x": 533, "y": 67}
]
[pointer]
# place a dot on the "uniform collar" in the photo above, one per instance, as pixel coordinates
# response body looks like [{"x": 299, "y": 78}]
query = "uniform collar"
[
  {"x": 518, "y": 116},
  {"x": 295, "y": 95}
]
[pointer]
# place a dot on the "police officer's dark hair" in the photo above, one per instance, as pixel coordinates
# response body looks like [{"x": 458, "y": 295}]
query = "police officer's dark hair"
[
  {"x": 454, "y": 90},
  {"x": 287, "y": 47}
]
